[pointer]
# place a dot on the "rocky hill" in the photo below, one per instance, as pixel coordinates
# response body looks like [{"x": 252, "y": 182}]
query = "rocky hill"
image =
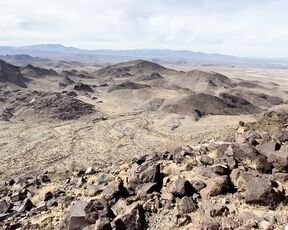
[
  {"x": 10, "y": 74},
  {"x": 33, "y": 71},
  {"x": 137, "y": 69}
]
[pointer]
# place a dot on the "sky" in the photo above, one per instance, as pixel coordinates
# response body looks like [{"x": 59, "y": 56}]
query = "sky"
[{"x": 247, "y": 28}]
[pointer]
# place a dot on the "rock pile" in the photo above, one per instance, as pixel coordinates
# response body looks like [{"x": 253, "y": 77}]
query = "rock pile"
[
  {"x": 52, "y": 105},
  {"x": 237, "y": 184}
]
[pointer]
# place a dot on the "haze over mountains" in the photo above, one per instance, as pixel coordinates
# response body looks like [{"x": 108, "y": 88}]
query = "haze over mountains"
[{"x": 60, "y": 52}]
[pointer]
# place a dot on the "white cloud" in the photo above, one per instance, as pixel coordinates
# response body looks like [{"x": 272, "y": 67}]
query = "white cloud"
[{"x": 238, "y": 27}]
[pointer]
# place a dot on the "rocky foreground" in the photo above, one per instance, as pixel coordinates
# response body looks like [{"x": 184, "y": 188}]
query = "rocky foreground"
[{"x": 240, "y": 183}]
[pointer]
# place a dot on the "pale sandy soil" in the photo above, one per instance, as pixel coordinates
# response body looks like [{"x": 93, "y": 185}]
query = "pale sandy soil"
[{"x": 35, "y": 147}]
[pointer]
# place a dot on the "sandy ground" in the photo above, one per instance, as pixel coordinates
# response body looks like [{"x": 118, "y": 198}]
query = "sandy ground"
[{"x": 29, "y": 147}]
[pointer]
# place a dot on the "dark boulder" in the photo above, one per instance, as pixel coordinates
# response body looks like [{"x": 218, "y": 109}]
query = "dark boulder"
[
  {"x": 260, "y": 191},
  {"x": 132, "y": 218},
  {"x": 115, "y": 190},
  {"x": 217, "y": 186},
  {"x": 181, "y": 188},
  {"x": 75, "y": 218},
  {"x": 96, "y": 209}
]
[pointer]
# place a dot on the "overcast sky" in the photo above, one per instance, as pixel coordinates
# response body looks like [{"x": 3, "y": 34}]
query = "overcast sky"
[{"x": 236, "y": 27}]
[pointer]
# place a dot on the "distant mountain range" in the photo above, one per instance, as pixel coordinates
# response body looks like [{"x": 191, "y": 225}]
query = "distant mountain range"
[{"x": 60, "y": 52}]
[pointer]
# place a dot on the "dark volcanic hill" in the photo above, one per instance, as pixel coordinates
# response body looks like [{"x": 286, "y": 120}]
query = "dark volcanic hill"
[
  {"x": 11, "y": 74},
  {"x": 33, "y": 71},
  {"x": 201, "y": 81},
  {"x": 200, "y": 104},
  {"x": 138, "y": 68}
]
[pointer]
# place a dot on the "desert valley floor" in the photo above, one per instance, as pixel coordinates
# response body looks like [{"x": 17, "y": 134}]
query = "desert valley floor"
[{"x": 62, "y": 120}]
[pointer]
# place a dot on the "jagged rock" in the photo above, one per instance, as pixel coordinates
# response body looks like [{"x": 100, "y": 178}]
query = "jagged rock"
[
  {"x": 265, "y": 225},
  {"x": 119, "y": 207},
  {"x": 214, "y": 210},
  {"x": 240, "y": 138},
  {"x": 282, "y": 177},
  {"x": 182, "y": 187},
  {"x": 150, "y": 206},
  {"x": 266, "y": 148},
  {"x": 187, "y": 205},
  {"x": 216, "y": 186},
  {"x": 4, "y": 206},
  {"x": 220, "y": 169},
  {"x": 229, "y": 161},
  {"x": 45, "y": 179},
  {"x": 247, "y": 153},
  {"x": 209, "y": 224},
  {"x": 115, "y": 190},
  {"x": 75, "y": 218},
  {"x": 279, "y": 135},
  {"x": 279, "y": 159},
  {"x": 81, "y": 181},
  {"x": 41, "y": 207},
  {"x": 240, "y": 178},
  {"x": 72, "y": 94},
  {"x": 198, "y": 185},
  {"x": 96, "y": 209},
  {"x": 260, "y": 191},
  {"x": 183, "y": 220},
  {"x": 206, "y": 160},
  {"x": 102, "y": 223},
  {"x": 244, "y": 151},
  {"x": 150, "y": 174},
  {"x": 144, "y": 171},
  {"x": 132, "y": 218},
  {"x": 17, "y": 196},
  {"x": 147, "y": 188},
  {"x": 26, "y": 205},
  {"x": 90, "y": 171},
  {"x": 83, "y": 87}
]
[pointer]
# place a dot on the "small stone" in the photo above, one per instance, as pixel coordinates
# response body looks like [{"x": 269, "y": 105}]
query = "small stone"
[
  {"x": 90, "y": 171},
  {"x": 220, "y": 169},
  {"x": 103, "y": 223},
  {"x": 198, "y": 185},
  {"x": 48, "y": 196},
  {"x": 41, "y": 207},
  {"x": 214, "y": 210},
  {"x": 147, "y": 188},
  {"x": 187, "y": 205},
  {"x": 45, "y": 179},
  {"x": 17, "y": 196},
  {"x": 206, "y": 160},
  {"x": 265, "y": 225},
  {"x": 11, "y": 182},
  {"x": 81, "y": 181}
]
